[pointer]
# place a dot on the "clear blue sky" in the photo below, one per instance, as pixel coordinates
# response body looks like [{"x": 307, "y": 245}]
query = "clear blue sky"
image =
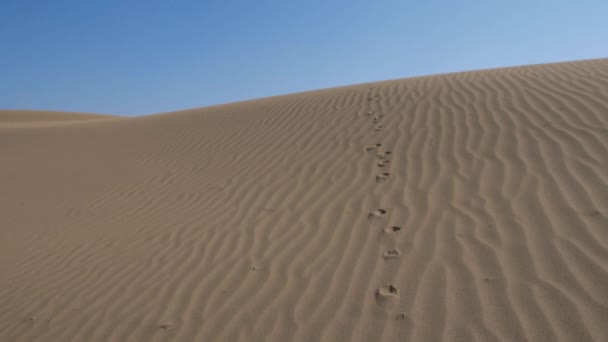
[{"x": 133, "y": 57}]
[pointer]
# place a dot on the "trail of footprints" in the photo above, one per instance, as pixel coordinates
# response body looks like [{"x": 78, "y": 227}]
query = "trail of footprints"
[{"x": 387, "y": 295}]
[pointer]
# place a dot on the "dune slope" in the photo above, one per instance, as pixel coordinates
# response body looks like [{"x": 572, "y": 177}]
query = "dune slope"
[{"x": 462, "y": 207}]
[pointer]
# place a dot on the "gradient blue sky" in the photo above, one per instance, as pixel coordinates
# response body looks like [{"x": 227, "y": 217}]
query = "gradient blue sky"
[{"x": 140, "y": 57}]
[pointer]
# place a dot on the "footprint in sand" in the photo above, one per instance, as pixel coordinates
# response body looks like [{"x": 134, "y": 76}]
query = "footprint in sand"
[
  {"x": 391, "y": 254},
  {"x": 373, "y": 147},
  {"x": 378, "y": 128},
  {"x": 387, "y": 296},
  {"x": 376, "y": 214},
  {"x": 382, "y": 177},
  {"x": 377, "y": 119},
  {"x": 391, "y": 229},
  {"x": 384, "y": 156},
  {"x": 166, "y": 326},
  {"x": 387, "y": 237},
  {"x": 383, "y": 163}
]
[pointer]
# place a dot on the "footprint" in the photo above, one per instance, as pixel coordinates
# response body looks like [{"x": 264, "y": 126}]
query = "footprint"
[
  {"x": 377, "y": 119},
  {"x": 376, "y": 214},
  {"x": 388, "y": 238},
  {"x": 401, "y": 316},
  {"x": 384, "y": 156},
  {"x": 382, "y": 177},
  {"x": 166, "y": 326},
  {"x": 383, "y": 163},
  {"x": 391, "y": 254},
  {"x": 487, "y": 279},
  {"x": 387, "y": 296},
  {"x": 373, "y": 148},
  {"x": 378, "y": 128},
  {"x": 392, "y": 229}
]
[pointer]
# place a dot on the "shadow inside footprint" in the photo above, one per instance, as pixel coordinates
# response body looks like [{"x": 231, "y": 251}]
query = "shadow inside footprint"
[
  {"x": 391, "y": 254},
  {"x": 376, "y": 214},
  {"x": 382, "y": 177}
]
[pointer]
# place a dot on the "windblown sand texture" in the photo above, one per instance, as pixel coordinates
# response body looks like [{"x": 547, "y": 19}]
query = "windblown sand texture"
[{"x": 461, "y": 207}]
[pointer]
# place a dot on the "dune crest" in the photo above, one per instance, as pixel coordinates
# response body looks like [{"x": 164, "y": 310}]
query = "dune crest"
[
  {"x": 463, "y": 207},
  {"x": 38, "y": 118}
]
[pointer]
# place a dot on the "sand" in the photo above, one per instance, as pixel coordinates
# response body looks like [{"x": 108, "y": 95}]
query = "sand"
[{"x": 461, "y": 207}]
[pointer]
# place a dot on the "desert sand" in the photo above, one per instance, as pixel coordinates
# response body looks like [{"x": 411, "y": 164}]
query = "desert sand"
[{"x": 461, "y": 207}]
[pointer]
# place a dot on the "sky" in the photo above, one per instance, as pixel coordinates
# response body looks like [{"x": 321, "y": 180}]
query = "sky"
[{"x": 134, "y": 57}]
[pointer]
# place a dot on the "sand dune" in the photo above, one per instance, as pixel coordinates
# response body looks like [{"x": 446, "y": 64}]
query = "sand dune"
[
  {"x": 463, "y": 207},
  {"x": 36, "y": 118}
]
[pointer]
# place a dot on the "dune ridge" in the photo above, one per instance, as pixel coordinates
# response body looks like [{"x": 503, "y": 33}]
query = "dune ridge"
[
  {"x": 38, "y": 118},
  {"x": 463, "y": 207}
]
